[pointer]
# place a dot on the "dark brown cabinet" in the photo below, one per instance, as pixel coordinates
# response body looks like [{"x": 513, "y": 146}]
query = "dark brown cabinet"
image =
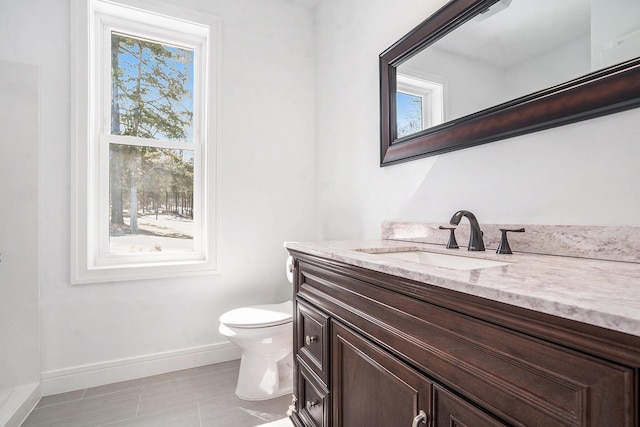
[{"x": 378, "y": 350}]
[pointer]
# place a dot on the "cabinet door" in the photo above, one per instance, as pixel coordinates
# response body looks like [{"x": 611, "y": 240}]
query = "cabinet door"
[
  {"x": 372, "y": 388},
  {"x": 451, "y": 411}
]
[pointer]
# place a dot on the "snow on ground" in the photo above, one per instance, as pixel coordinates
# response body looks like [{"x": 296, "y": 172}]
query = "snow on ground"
[
  {"x": 167, "y": 233},
  {"x": 166, "y": 224}
]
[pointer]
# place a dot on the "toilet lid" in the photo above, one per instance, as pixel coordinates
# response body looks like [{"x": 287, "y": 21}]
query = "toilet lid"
[{"x": 259, "y": 316}]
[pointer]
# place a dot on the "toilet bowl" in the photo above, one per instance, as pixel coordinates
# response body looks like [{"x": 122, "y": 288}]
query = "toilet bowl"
[{"x": 265, "y": 335}]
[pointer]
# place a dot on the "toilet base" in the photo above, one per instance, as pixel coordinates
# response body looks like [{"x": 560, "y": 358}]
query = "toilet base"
[{"x": 262, "y": 377}]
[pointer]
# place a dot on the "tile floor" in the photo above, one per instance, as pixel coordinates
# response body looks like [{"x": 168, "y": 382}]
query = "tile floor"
[{"x": 200, "y": 397}]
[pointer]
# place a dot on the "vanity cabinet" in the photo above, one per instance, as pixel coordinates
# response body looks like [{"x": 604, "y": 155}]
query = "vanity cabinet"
[{"x": 372, "y": 349}]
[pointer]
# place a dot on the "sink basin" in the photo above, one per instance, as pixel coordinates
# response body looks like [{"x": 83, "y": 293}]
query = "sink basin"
[{"x": 454, "y": 262}]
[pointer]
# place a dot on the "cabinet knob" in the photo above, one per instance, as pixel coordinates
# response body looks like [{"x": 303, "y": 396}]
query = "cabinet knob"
[
  {"x": 420, "y": 418},
  {"x": 310, "y": 339},
  {"x": 311, "y": 404}
]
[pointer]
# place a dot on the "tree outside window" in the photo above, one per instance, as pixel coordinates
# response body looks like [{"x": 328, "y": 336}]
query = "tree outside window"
[{"x": 151, "y": 187}]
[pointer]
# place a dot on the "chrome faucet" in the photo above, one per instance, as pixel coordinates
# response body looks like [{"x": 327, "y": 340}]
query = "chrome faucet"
[{"x": 475, "y": 239}]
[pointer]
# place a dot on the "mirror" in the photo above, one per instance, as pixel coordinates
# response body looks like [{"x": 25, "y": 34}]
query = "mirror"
[{"x": 482, "y": 70}]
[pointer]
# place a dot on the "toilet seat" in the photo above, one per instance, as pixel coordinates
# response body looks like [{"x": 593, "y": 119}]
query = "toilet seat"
[{"x": 259, "y": 316}]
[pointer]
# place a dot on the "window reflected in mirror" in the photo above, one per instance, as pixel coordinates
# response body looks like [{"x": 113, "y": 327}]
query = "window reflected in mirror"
[
  {"x": 515, "y": 48},
  {"x": 419, "y": 104}
]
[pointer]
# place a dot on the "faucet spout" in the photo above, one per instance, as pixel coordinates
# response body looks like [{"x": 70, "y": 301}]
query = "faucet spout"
[{"x": 476, "y": 243}]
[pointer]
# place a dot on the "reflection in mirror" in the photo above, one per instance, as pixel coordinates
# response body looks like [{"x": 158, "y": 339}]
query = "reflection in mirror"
[
  {"x": 514, "y": 48},
  {"x": 419, "y": 103}
]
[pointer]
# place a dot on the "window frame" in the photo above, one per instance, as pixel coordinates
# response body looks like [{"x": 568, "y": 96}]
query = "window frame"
[
  {"x": 94, "y": 20},
  {"x": 431, "y": 93}
]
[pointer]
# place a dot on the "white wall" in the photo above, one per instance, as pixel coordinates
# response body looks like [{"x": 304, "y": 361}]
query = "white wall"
[
  {"x": 266, "y": 155},
  {"x": 562, "y": 64},
  {"x": 19, "y": 301},
  {"x": 583, "y": 173},
  {"x": 615, "y": 33}
]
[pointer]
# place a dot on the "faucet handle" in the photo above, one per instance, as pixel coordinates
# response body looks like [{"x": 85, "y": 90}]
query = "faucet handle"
[
  {"x": 503, "y": 247},
  {"x": 452, "y": 243}
]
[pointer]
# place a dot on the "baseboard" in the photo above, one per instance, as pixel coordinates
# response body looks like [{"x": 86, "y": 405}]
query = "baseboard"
[
  {"x": 19, "y": 404},
  {"x": 85, "y": 376}
]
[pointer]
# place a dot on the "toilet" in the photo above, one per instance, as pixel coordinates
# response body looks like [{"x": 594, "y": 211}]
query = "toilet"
[{"x": 265, "y": 335}]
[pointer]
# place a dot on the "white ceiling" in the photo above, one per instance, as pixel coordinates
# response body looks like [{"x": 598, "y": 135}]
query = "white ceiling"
[{"x": 525, "y": 29}]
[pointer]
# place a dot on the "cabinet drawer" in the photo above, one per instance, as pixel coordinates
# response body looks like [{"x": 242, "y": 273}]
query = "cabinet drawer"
[
  {"x": 312, "y": 335},
  {"x": 451, "y": 411},
  {"x": 313, "y": 399}
]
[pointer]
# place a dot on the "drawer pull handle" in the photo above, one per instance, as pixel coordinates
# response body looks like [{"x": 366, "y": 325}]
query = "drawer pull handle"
[
  {"x": 310, "y": 339},
  {"x": 420, "y": 418},
  {"x": 311, "y": 404}
]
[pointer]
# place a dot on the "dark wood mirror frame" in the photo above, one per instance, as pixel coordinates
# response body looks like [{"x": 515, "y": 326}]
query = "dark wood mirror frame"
[{"x": 602, "y": 92}]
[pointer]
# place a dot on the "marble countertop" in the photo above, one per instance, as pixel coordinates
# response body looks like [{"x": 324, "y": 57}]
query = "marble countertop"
[{"x": 597, "y": 292}]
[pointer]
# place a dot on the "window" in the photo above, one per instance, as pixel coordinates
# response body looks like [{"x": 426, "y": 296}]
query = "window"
[
  {"x": 419, "y": 104},
  {"x": 144, "y": 141}
]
